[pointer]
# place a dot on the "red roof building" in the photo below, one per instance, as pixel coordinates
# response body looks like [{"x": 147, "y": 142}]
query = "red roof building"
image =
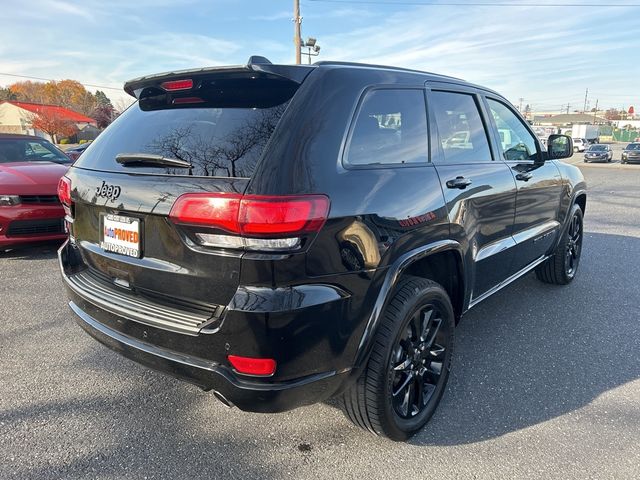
[
  {"x": 16, "y": 117},
  {"x": 57, "y": 110}
]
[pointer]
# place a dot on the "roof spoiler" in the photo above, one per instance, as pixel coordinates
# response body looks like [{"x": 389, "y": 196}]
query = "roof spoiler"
[{"x": 256, "y": 63}]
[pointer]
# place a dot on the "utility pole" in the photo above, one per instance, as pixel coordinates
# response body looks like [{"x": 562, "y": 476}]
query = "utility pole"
[
  {"x": 595, "y": 112},
  {"x": 586, "y": 96},
  {"x": 297, "y": 20},
  {"x": 568, "y": 106}
]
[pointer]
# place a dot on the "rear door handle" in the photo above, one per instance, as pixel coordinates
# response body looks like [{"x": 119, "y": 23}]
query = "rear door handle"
[
  {"x": 525, "y": 177},
  {"x": 459, "y": 182}
]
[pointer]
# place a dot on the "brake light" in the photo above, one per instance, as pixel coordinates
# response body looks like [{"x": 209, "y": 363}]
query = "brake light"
[
  {"x": 253, "y": 366},
  {"x": 211, "y": 210},
  {"x": 64, "y": 191},
  {"x": 173, "y": 85},
  {"x": 252, "y": 215}
]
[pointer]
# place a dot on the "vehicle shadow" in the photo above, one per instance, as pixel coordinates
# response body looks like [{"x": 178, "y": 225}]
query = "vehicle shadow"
[
  {"x": 40, "y": 251},
  {"x": 534, "y": 352}
]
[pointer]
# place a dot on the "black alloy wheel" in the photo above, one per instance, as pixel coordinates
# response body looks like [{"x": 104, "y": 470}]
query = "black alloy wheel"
[
  {"x": 561, "y": 267},
  {"x": 417, "y": 362},
  {"x": 407, "y": 371},
  {"x": 573, "y": 245}
]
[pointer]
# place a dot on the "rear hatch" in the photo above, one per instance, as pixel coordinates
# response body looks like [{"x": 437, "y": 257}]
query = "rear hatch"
[{"x": 189, "y": 132}]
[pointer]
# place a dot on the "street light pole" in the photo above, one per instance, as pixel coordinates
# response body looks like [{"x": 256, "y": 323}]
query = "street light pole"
[
  {"x": 297, "y": 20},
  {"x": 313, "y": 49}
]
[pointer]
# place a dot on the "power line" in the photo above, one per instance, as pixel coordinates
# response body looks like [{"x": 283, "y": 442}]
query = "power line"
[
  {"x": 479, "y": 4},
  {"x": 52, "y": 80}
]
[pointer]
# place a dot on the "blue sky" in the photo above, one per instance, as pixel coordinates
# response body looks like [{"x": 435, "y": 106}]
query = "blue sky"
[{"x": 548, "y": 56}]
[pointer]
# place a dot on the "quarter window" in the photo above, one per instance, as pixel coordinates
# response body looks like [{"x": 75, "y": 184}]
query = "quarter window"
[
  {"x": 516, "y": 141},
  {"x": 463, "y": 137},
  {"x": 391, "y": 128}
]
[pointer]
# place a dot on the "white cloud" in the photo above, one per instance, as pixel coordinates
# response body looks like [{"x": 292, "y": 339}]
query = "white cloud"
[
  {"x": 69, "y": 9},
  {"x": 519, "y": 52}
]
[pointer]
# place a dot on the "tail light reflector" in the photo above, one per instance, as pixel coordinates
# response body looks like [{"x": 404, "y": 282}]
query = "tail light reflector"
[{"x": 253, "y": 366}]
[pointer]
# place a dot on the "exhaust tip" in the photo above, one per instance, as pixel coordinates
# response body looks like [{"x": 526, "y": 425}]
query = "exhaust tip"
[{"x": 222, "y": 398}]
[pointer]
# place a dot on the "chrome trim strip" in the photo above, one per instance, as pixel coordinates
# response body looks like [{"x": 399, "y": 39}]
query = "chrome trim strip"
[
  {"x": 511, "y": 241},
  {"x": 495, "y": 247},
  {"x": 506, "y": 282},
  {"x": 533, "y": 232}
]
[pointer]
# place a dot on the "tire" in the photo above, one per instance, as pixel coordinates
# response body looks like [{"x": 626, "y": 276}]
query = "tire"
[
  {"x": 411, "y": 355},
  {"x": 561, "y": 267}
]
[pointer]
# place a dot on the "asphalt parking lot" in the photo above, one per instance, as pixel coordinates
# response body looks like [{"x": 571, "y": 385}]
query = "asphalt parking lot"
[{"x": 545, "y": 383}]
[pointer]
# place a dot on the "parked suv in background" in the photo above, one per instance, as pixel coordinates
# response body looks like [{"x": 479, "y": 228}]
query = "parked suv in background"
[
  {"x": 285, "y": 234},
  {"x": 580, "y": 144}
]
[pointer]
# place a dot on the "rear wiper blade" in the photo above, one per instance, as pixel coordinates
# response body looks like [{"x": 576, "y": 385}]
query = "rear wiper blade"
[{"x": 150, "y": 159}]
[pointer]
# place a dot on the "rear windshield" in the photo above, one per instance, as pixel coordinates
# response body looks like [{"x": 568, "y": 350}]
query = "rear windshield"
[
  {"x": 30, "y": 150},
  {"x": 221, "y": 142}
]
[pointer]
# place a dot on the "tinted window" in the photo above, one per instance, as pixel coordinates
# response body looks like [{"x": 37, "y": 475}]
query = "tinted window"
[
  {"x": 598, "y": 148},
  {"x": 28, "y": 150},
  {"x": 462, "y": 134},
  {"x": 391, "y": 128},
  {"x": 516, "y": 142},
  {"x": 633, "y": 146},
  {"x": 225, "y": 142}
]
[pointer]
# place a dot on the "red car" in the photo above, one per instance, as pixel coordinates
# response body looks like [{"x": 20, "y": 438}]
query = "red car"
[{"x": 30, "y": 169}]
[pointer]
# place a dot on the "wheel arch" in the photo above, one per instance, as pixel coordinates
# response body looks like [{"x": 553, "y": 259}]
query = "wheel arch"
[{"x": 430, "y": 258}]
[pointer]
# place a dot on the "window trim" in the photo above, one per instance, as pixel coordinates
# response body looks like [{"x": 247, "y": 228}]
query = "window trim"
[
  {"x": 439, "y": 159},
  {"x": 344, "y": 162},
  {"x": 496, "y": 133}
]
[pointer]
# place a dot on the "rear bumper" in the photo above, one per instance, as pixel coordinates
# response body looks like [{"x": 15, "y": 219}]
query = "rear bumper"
[
  {"x": 308, "y": 357},
  {"x": 254, "y": 396}
]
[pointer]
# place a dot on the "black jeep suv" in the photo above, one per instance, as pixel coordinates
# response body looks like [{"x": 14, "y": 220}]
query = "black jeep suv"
[{"x": 285, "y": 234}]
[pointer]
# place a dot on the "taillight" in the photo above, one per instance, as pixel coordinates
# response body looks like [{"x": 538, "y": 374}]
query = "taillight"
[
  {"x": 254, "y": 222},
  {"x": 211, "y": 210},
  {"x": 253, "y": 366},
  {"x": 64, "y": 191}
]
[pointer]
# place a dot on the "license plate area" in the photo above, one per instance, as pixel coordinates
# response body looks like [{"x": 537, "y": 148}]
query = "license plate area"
[{"x": 120, "y": 234}]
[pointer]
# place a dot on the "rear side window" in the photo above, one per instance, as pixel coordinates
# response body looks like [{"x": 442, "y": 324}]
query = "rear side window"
[
  {"x": 221, "y": 142},
  {"x": 463, "y": 137},
  {"x": 390, "y": 129}
]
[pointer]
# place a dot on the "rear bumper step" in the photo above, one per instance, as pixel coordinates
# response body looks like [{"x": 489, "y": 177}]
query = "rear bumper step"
[{"x": 131, "y": 306}]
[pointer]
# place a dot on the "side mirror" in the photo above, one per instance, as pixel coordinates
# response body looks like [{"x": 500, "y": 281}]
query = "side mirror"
[{"x": 559, "y": 146}]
